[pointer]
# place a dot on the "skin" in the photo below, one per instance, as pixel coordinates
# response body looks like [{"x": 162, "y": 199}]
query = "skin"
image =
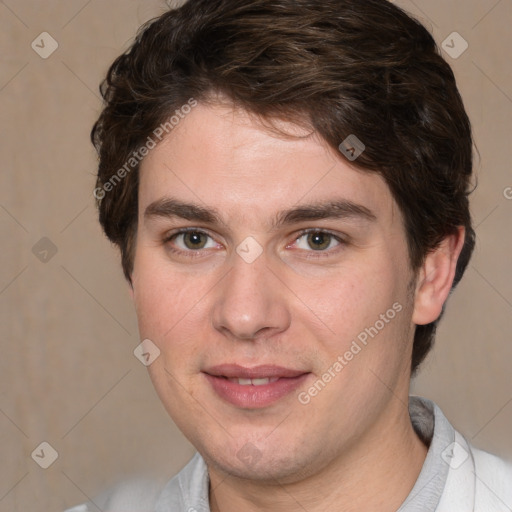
[{"x": 352, "y": 447}]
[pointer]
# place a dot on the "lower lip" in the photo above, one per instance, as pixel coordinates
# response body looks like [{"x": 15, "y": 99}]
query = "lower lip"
[{"x": 254, "y": 397}]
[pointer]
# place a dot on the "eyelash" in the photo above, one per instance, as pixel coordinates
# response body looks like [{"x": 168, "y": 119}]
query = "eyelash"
[
  {"x": 321, "y": 254},
  {"x": 197, "y": 253}
]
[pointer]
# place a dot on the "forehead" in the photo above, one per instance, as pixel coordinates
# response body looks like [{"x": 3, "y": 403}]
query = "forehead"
[{"x": 227, "y": 159}]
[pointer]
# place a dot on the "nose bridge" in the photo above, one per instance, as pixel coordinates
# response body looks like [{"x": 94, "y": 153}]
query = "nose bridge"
[{"x": 249, "y": 300}]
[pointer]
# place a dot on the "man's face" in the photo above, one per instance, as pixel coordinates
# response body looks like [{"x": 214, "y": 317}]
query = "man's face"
[{"x": 249, "y": 294}]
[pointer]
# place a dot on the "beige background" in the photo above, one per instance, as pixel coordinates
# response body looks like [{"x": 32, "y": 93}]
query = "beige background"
[{"x": 68, "y": 330}]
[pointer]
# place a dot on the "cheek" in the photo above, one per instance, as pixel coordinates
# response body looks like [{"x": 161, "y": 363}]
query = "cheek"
[
  {"x": 348, "y": 300},
  {"x": 159, "y": 298},
  {"x": 170, "y": 308}
]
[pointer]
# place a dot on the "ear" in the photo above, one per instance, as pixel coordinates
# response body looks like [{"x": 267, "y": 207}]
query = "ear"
[{"x": 435, "y": 278}]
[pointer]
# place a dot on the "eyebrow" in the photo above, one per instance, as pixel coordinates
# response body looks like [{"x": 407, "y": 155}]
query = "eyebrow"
[{"x": 167, "y": 207}]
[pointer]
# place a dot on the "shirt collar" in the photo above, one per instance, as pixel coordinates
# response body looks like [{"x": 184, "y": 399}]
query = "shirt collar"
[
  {"x": 436, "y": 431},
  {"x": 189, "y": 490}
]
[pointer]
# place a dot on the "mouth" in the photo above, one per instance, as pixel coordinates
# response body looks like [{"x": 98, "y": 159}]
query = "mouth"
[
  {"x": 262, "y": 381},
  {"x": 256, "y": 387}
]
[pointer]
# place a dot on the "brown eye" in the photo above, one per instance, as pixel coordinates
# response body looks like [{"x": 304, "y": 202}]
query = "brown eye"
[
  {"x": 194, "y": 239},
  {"x": 318, "y": 243},
  {"x": 190, "y": 243},
  {"x": 319, "y": 240}
]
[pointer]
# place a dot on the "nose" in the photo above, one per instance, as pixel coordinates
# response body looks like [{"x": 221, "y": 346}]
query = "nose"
[{"x": 250, "y": 302}]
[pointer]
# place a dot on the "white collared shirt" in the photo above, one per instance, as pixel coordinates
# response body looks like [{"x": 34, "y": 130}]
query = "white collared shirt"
[{"x": 455, "y": 477}]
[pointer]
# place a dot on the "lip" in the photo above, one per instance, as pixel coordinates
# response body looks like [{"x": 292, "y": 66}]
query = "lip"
[
  {"x": 251, "y": 396},
  {"x": 256, "y": 372}
]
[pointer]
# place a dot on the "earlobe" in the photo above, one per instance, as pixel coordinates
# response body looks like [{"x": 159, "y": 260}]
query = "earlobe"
[{"x": 435, "y": 278}]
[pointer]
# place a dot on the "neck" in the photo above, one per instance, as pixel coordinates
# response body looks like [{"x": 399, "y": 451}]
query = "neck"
[{"x": 376, "y": 474}]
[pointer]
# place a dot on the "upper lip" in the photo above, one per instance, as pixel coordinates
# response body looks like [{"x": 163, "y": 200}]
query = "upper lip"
[{"x": 254, "y": 372}]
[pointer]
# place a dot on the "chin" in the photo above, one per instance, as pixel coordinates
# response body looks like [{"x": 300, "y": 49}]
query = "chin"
[{"x": 265, "y": 465}]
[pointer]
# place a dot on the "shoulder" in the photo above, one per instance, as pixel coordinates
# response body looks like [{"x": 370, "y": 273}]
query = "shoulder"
[
  {"x": 493, "y": 479},
  {"x": 148, "y": 495},
  {"x": 133, "y": 495}
]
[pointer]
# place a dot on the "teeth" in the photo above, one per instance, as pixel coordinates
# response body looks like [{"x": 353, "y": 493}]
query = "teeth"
[
  {"x": 253, "y": 382},
  {"x": 260, "y": 382}
]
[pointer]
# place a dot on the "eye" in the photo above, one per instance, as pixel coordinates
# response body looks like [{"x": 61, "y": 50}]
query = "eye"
[
  {"x": 189, "y": 240},
  {"x": 317, "y": 240}
]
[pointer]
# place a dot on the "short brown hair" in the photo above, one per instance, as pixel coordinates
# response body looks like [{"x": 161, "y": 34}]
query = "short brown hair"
[{"x": 339, "y": 67}]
